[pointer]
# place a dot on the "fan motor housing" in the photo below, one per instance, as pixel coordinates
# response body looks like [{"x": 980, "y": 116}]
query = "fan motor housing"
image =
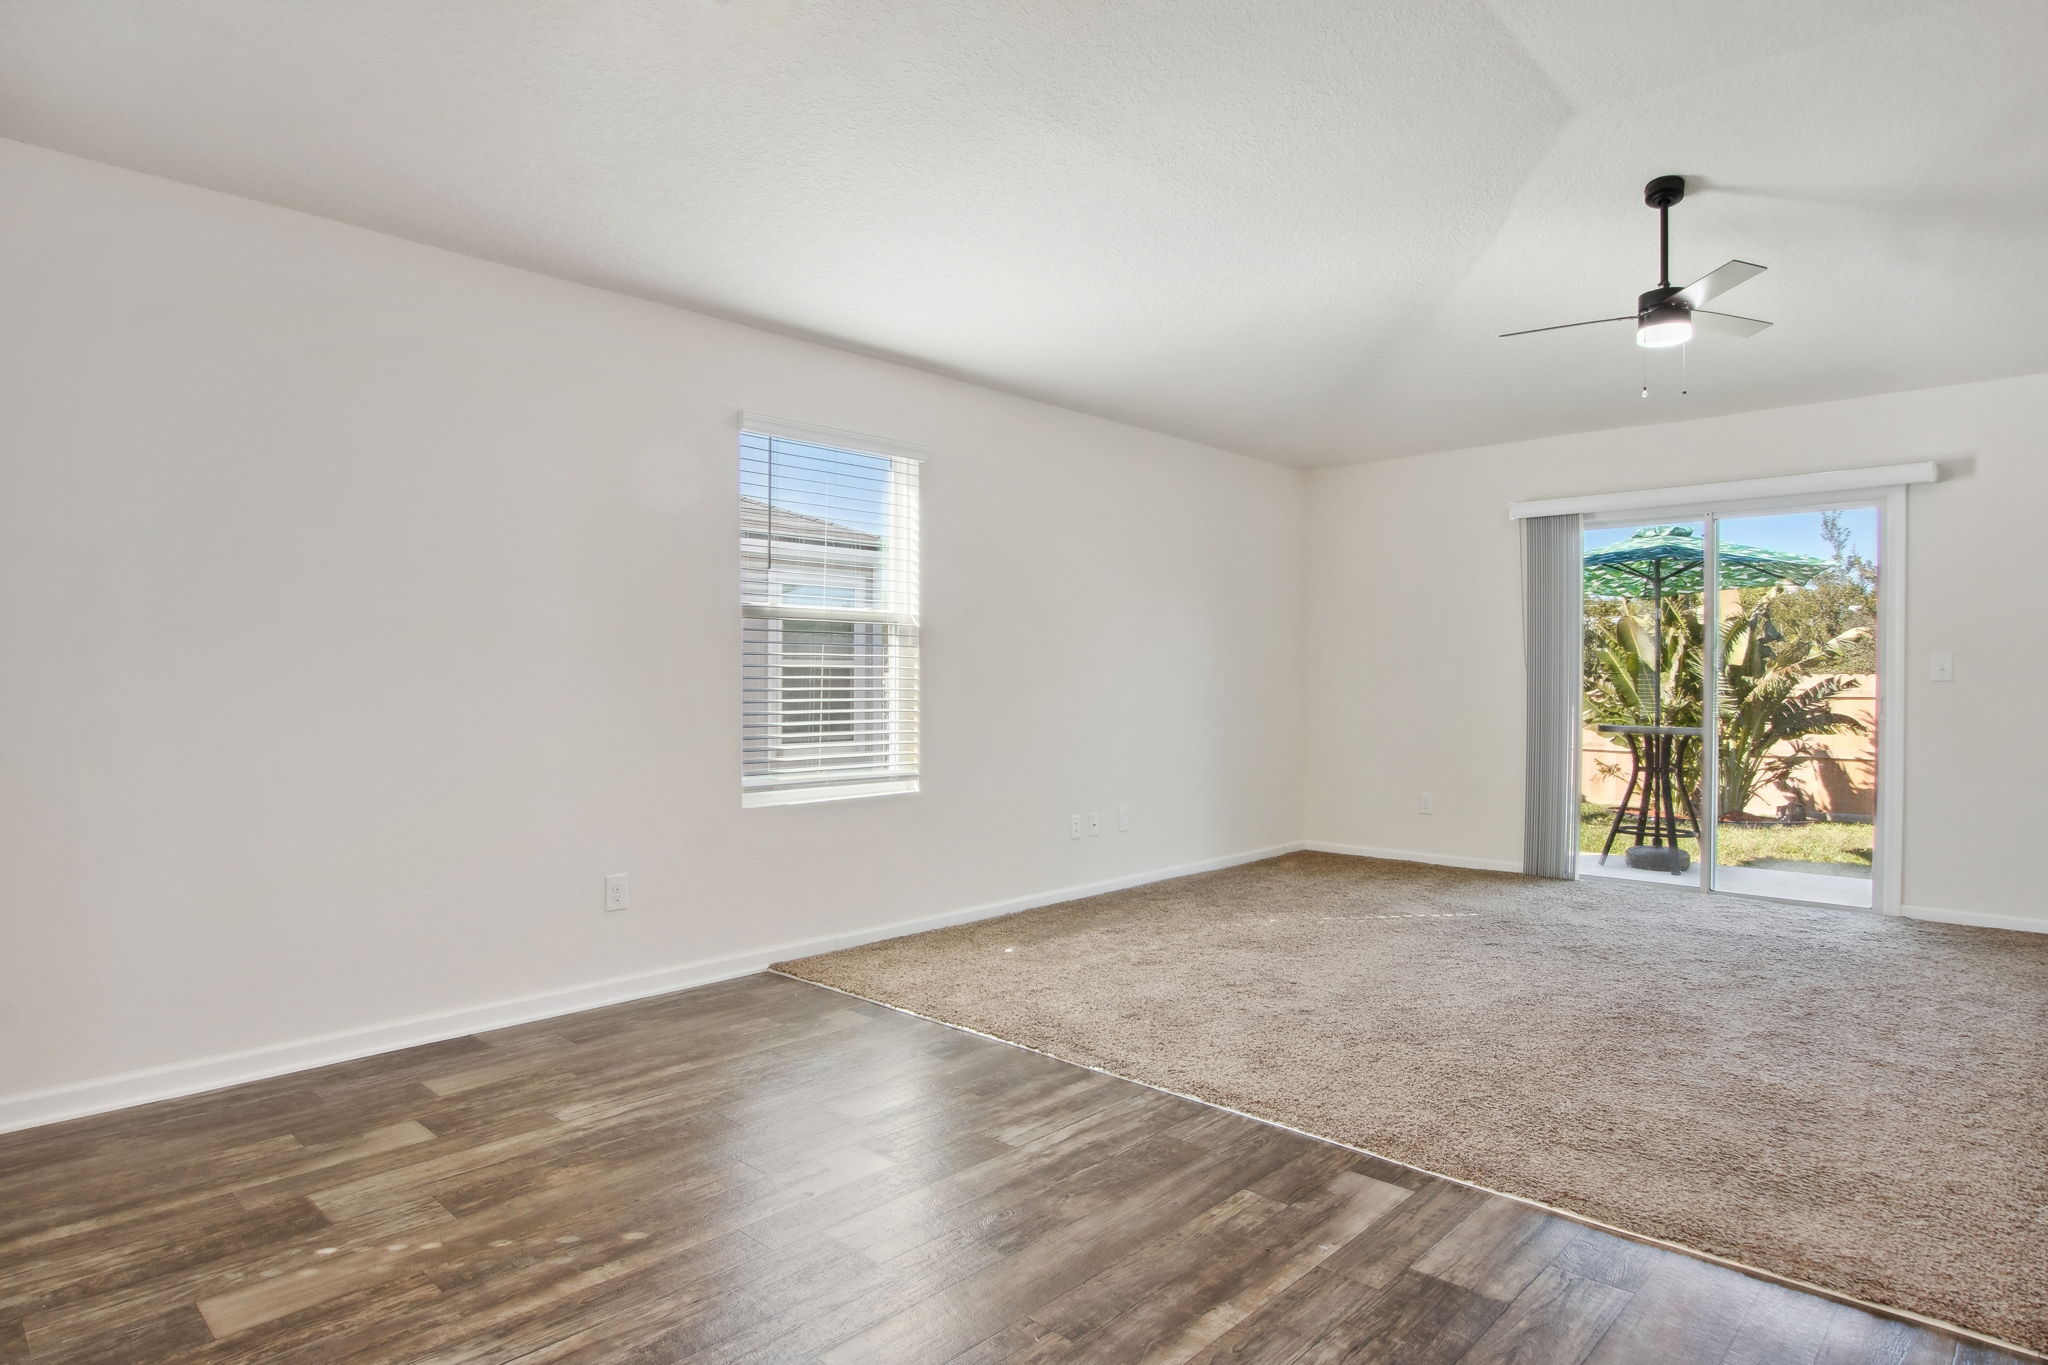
[{"x": 1645, "y": 302}]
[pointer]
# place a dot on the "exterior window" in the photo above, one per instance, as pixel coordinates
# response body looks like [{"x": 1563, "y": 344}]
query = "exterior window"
[{"x": 828, "y": 603}]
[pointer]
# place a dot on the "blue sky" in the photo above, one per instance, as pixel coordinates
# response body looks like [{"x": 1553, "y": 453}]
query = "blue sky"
[
  {"x": 1796, "y": 532},
  {"x": 833, "y": 485}
]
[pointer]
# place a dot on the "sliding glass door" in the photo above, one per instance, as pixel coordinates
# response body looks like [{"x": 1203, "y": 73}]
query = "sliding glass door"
[
  {"x": 1731, "y": 698},
  {"x": 1798, "y": 706}
]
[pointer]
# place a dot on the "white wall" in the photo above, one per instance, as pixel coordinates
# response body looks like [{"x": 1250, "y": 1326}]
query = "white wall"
[
  {"x": 1414, "y": 643},
  {"x": 361, "y": 604}
]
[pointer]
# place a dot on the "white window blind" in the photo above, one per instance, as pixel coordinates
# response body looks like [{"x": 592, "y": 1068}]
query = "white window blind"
[{"x": 828, "y": 602}]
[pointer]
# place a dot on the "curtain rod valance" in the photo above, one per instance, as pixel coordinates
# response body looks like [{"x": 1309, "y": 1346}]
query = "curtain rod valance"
[{"x": 1737, "y": 490}]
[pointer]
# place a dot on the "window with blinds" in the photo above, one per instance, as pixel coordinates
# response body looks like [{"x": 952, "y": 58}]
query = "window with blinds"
[{"x": 828, "y": 602}]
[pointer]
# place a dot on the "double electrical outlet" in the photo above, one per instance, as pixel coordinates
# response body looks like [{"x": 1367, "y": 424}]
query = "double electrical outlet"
[{"x": 1090, "y": 824}]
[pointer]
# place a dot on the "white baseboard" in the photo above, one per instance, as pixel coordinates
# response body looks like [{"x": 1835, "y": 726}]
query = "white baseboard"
[
  {"x": 1404, "y": 855},
  {"x": 32, "y": 1108},
  {"x": 2024, "y": 923},
  {"x": 2027, "y": 923}
]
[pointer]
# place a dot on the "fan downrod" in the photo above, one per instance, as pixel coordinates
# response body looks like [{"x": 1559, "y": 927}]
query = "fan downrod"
[{"x": 1660, "y": 194}]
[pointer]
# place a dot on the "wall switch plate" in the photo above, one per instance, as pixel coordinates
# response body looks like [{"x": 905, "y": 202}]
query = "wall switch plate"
[
  {"x": 1094, "y": 823},
  {"x": 1941, "y": 667},
  {"x": 1074, "y": 828},
  {"x": 615, "y": 897},
  {"x": 1428, "y": 803},
  {"x": 1123, "y": 817}
]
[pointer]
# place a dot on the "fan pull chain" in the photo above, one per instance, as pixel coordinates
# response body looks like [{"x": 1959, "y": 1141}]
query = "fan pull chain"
[
  {"x": 1682, "y": 389},
  {"x": 1646, "y": 372}
]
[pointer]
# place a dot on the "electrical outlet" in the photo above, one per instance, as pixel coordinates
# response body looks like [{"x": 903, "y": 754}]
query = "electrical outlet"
[
  {"x": 1941, "y": 667},
  {"x": 1074, "y": 828},
  {"x": 1123, "y": 818},
  {"x": 1428, "y": 803},
  {"x": 1094, "y": 823},
  {"x": 615, "y": 897}
]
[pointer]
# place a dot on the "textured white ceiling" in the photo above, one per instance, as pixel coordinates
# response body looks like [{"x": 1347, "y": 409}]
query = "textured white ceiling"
[{"x": 1290, "y": 229}]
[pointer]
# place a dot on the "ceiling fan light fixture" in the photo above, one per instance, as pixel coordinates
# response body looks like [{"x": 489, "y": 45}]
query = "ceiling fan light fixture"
[
  {"x": 1664, "y": 316},
  {"x": 1667, "y": 324}
]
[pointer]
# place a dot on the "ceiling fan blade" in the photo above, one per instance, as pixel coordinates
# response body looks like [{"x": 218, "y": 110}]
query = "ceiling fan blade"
[
  {"x": 1727, "y": 322},
  {"x": 1594, "y": 322},
  {"x": 1716, "y": 282}
]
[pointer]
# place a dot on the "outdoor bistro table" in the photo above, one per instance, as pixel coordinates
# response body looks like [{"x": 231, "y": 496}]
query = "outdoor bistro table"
[{"x": 1655, "y": 785}]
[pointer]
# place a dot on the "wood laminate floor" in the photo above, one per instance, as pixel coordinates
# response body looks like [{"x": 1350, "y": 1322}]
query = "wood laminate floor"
[{"x": 766, "y": 1171}]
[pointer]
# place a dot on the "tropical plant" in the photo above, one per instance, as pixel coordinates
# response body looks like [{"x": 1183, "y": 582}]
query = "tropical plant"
[
  {"x": 1770, "y": 700},
  {"x": 1771, "y": 703},
  {"x": 1630, "y": 681}
]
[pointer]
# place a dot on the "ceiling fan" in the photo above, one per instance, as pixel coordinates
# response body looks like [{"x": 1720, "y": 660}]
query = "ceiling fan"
[{"x": 1666, "y": 316}]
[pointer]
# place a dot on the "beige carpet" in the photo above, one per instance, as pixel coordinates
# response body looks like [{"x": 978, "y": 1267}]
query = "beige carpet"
[{"x": 1852, "y": 1100}]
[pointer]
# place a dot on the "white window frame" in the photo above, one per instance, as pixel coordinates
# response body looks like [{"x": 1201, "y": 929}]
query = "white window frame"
[{"x": 898, "y": 619}]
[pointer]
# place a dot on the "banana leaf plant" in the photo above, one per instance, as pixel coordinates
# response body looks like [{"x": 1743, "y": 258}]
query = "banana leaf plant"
[{"x": 1772, "y": 701}]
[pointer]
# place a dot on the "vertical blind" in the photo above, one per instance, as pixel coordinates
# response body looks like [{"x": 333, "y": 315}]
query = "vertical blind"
[
  {"x": 1553, "y": 592},
  {"x": 828, "y": 603}
]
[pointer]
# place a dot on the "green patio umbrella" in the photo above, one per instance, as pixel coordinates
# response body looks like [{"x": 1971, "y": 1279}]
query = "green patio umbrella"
[{"x": 1673, "y": 559}]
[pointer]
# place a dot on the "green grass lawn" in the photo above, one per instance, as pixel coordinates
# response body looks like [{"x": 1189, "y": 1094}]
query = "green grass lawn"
[{"x": 1743, "y": 844}]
